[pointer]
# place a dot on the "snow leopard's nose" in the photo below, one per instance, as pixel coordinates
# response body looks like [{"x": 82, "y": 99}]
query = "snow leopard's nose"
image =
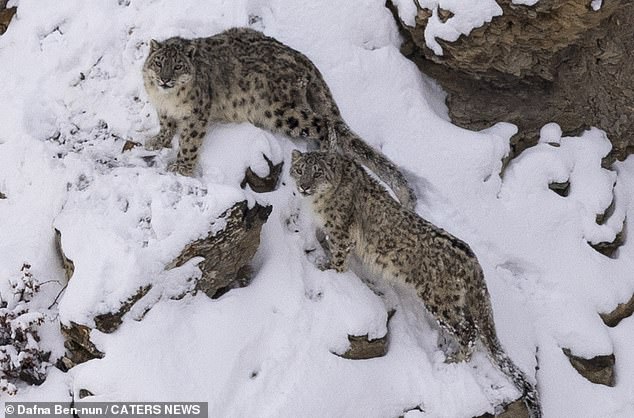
[
  {"x": 165, "y": 83},
  {"x": 304, "y": 190}
]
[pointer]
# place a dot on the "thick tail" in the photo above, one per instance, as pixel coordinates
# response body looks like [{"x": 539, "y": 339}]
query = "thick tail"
[
  {"x": 529, "y": 391},
  {"x": 352, "y": 145}
]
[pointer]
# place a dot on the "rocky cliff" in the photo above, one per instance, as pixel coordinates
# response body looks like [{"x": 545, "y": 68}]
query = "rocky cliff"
[{"x": 556, "y": 61}]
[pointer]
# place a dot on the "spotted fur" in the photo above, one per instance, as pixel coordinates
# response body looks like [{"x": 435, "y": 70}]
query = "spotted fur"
[
  {"x": 241, "y": 75},
  {"x": 359, "y": 217}
]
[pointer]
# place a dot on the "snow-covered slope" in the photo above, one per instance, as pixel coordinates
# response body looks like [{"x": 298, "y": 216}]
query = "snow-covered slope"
[{"x": 71, "y": 94}]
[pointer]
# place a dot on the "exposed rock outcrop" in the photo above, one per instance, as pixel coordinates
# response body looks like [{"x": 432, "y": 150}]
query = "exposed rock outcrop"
[
  {"x": 67, "y": 263},
  {"x": 556, "y": 61},
  {"x": 622, "y": 311},
  {"x": 226, "y": 257},
  {"x": 363, "y": 348},
  {"x": 562, "y": 189},
  {"x": 129, "y": 145},
  {"x": 608, "y": 249},
  {"x": 599, "y": 370},
  {"x": 109, "y": 322},
  {"x": 516, "y": 409},
  {"x": 6, "y": 14},
  {"x": 227, "y": 254},
  {"x": 78, "y": 345},
  {"x": 264, "y": 184},
  {"x": 84, "y": 393}
]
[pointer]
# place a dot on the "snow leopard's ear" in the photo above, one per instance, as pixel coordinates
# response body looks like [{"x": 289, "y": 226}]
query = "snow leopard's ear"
[
  {"x": 154, "y": 45},
  {"x": 295, "y": 155},
  {"x": 190, "y": 50}
]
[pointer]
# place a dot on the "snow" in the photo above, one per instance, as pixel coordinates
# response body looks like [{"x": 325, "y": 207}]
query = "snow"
[
  {"x": 407, "y": 10},
  {"x": 527, "y": 2},
  {"x": 467, "y": 15},
  {"x": 550, "y": 133},
  {"x": 596, "y": 4},
  {"x": 127, "y": 225},
  {"x": 72, "y": 95}
]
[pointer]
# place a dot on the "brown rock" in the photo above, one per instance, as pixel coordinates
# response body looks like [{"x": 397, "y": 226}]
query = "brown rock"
[
  {"x": 228, "y": 253},
  {"x": 84, "y": 393},
  {"x": 562, "y": 189},
  {"x": 109, "y": 322},
  {"x": 78, "y": 344},
  {"x": 599, "y": 370},
  {"x": 67, "y": 263},
  {"x": 608, "y": 249},
  {"x": 416, "y": 408},
  {"x": 602, "y": 217},
  {"x": 129, "y": 145},
  {"x": 444, "y": 15},
  {"x": 557, "y": 61},
  {"x": 516, "y": 409},
  {"x": 65, "y": 364},
  {"x": 5, "y": 16},
  {"x": 263, "y": 184},
  {"x": 622, "y": 311},
  {"x": 423, "y": 16},
  {"x": 363, "y": 348}
]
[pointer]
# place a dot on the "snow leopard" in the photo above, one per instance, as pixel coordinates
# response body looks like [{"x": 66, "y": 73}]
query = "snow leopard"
[
  {"x": 358, "y": 217},
  {"x": 241, "y": 75}
]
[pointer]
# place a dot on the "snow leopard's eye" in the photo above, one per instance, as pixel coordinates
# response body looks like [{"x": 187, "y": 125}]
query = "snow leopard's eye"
[
  {"x": 158, "y": 63},
  {"x": 298, "y": 171},
  {"x": 178, "y": 67},
  {"x": 318, "y": 174}
]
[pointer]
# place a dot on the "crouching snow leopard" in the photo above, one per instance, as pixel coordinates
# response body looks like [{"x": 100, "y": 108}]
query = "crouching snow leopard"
[
  {"x": 358, "y": 216},
  {"x": 241, "y": 75}
]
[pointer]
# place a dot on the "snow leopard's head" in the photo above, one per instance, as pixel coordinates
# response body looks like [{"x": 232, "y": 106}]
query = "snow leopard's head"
[
  {"x": 314, "y": 172},
  {"x": 169, "y": 63}
]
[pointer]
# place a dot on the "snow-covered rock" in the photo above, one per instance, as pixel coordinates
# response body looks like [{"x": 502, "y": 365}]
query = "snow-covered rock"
[{"x": 72, "y": 96}]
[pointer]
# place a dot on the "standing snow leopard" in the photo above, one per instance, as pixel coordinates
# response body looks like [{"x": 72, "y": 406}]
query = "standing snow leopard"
[
  {"x": 358, "y": 216},
  {"x": 241, "y": 75}
]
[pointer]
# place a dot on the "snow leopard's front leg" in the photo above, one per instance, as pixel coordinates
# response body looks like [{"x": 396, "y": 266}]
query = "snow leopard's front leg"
[
  {"x": 192, "y": 130},
  {"x": 340, "y": 244},
  {"x": 164, "y": 138},
  {"x": 339, "y": 253}
]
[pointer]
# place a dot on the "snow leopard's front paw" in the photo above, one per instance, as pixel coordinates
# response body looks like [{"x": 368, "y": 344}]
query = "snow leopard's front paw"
[
  {"x": 339, "y": 267},
  {"x": 325, "y": 263},
  {"x": 318, "y": 258},
  {"x": 181, "y": 168}
]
